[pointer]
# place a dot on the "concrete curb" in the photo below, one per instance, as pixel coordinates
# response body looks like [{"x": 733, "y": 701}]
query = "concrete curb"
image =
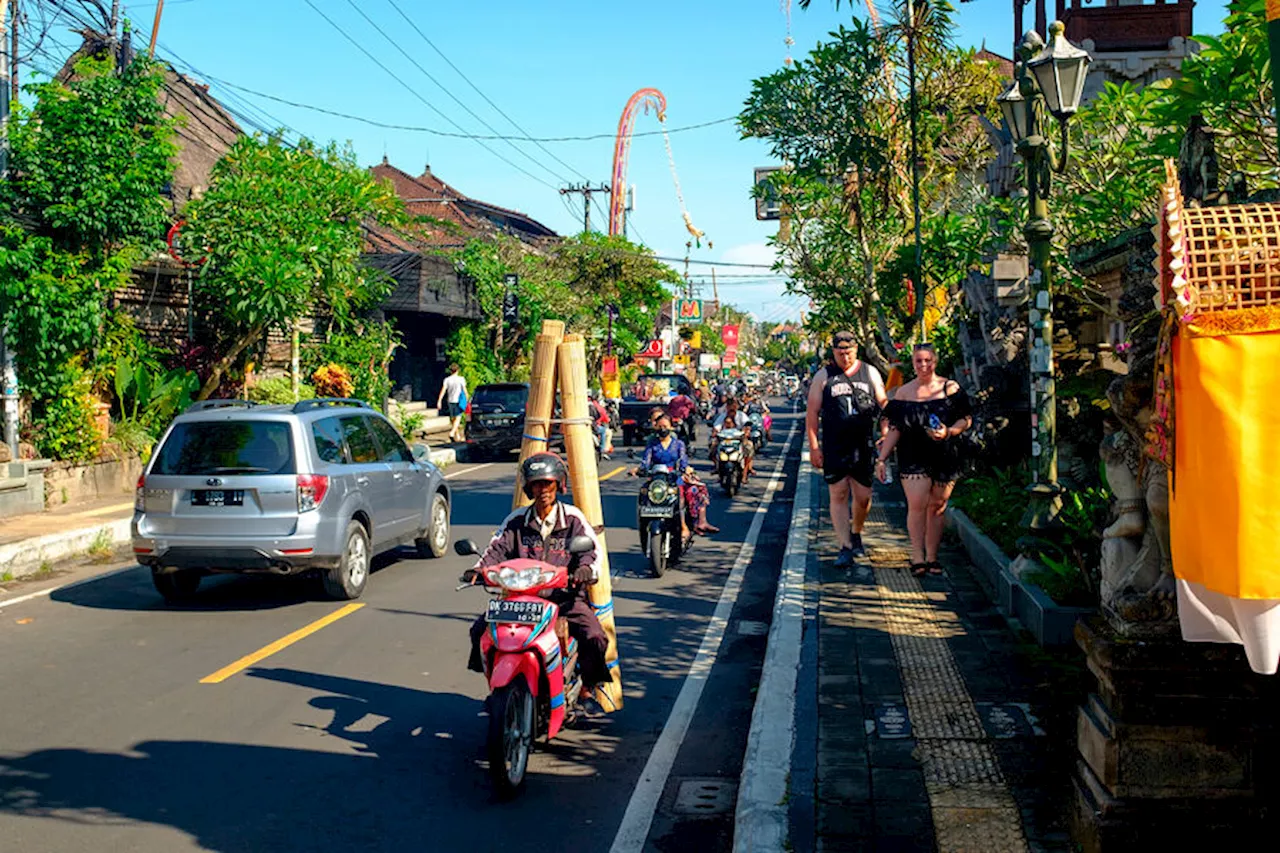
[
  {"x": 991, "y": 562},
  {"x": 761, "y": 821},
  {"x": 443, "y": 458},
  {"x": 24, "y": 558}
]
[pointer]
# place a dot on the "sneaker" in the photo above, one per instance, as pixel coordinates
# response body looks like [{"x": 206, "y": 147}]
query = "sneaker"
[
  {"x": 844, "y": 559},
  {"x": 858, "y": 549}
]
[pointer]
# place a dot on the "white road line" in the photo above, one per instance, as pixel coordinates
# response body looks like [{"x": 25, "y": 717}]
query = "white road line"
[
  {"x": 634, "y": 829},
  {"x": 468, "y": 470},
  {"x": 761, "y": 818},
  {"x": 29, "y": 596}
]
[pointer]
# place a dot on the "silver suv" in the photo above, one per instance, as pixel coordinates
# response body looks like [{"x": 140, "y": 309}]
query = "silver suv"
[{"x": 321, "y": 486}]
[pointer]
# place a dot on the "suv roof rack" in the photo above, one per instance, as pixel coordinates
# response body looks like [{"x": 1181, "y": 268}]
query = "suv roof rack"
[
  {"x": 322, "y": 402},
  {"x": 205, "y": 405}
]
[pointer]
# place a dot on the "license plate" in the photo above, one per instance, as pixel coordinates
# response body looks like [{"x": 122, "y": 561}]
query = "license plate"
[
  {"x": 657, "y": 511},
  {"x": 521, "y": 612},
  {"x": 217, "y": 497}
]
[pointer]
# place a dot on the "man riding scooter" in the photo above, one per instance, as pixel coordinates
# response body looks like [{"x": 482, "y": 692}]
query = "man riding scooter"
[{"x": 543, "y": 532}]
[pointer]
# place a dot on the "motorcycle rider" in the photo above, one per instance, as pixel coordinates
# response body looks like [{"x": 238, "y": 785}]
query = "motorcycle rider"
[
  {"x": 600, "y": 423},
  {"x": 732, "y": 418},
  {"x": 543, "y": 532},
  {"x": 681, "y": 409}
]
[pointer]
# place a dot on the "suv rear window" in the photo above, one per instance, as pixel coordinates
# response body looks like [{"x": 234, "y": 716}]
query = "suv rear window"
[
  {"x": 227, "y": 447},
  {"x": 327, "y": 435},
  {"x": 512, "y": 398}
]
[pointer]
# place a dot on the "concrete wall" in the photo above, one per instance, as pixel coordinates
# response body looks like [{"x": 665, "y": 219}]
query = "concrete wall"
[{"x": 65, "y": 483}]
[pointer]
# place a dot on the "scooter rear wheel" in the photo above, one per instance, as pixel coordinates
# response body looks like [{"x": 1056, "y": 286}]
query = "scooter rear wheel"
[{"x": 511, "y": 720}]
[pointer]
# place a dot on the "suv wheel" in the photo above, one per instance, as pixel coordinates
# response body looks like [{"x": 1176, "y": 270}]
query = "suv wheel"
[
  {"x": 176, "y": 587},
  {"x": 435, "y": 542},
  {"x": 347, "y": 579}
]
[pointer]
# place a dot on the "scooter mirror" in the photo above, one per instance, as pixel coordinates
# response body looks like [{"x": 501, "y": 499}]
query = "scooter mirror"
[
  {"x": 581, "y": 545},
  {"x": 465, "y": 548}
]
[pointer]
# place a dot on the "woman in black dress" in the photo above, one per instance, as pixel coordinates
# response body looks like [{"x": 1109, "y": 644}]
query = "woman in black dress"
[{"x": 925, "y": 417}]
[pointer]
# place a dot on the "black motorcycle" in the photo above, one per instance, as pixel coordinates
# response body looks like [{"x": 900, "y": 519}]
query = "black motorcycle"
[{"x": 658, "y": 511}]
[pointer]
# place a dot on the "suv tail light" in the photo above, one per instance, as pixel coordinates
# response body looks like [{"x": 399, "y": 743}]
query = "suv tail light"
[
  {"x": 140, "y": 494},
  {"x": 468, "y": 407},
  {"x": 311, "y": 491}
]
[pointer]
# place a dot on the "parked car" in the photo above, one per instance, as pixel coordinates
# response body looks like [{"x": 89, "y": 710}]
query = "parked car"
[
  {"x": 319, "y": 487},
  {"x": 635, "y": 412}
]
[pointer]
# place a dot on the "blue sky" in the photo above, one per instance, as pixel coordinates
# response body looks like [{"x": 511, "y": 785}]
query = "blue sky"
[{"x": 557, "y": 69}]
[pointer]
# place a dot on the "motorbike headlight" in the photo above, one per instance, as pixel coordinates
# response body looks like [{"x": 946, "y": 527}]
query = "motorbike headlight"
[
  {"x": 519, "y": 580},
  {"x": 659, "y": 491}
]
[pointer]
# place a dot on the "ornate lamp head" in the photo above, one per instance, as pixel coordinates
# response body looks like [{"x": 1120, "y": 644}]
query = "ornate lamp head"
[
  {"x": 1060, "y": 69},
  {"x": 1013, "y": 107}
]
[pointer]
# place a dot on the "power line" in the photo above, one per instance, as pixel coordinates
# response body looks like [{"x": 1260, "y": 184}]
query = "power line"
[
  {"x": 479, "y": 137},
  {"x": 486, "y": 98},
  {"x": 415, "y": 93},
  {"x": 445, "y": 89}
]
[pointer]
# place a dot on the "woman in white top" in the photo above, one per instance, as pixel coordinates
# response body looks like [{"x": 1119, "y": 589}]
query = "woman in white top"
[{"x": 455, "y": 385}]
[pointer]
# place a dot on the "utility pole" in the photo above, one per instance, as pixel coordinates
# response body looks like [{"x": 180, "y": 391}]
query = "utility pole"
[
  {"x": 115, "y": 16},
  {"x": 155, "y": 30},
  {"x": 13, "y": 54},
  {"x": 586, "y": 190},
  {"x": 8, "y": 370}
]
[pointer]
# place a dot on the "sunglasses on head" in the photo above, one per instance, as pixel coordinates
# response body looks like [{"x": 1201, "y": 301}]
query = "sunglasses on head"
[{"x": 925, "y": 347}]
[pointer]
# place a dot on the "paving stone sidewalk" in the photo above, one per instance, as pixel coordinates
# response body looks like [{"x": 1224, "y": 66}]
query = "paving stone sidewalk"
[{"x": 924, "y": 723}]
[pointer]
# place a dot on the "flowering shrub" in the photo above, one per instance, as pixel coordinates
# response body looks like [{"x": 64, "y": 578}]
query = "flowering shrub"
[{"x": 332, "y": 380}]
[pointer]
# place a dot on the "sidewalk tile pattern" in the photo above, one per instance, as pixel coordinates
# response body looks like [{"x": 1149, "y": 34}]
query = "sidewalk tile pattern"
[{"x": 907, "y": 759}]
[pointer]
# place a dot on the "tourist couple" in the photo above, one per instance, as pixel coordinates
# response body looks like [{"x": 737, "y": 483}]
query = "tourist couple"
[{"x": 861, "y": 427}]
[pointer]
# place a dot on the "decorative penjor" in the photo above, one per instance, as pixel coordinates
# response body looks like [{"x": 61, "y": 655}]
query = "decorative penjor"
[{"x": 1216, "y": 423}]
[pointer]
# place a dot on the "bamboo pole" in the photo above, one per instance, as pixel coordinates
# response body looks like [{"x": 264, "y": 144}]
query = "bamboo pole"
[
  {"x": 542, "y": 399},
  {"x": 585, "y": 480}
]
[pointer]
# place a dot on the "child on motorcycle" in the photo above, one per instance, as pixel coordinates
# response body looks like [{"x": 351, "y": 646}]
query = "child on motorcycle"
[
  {"x": 732, "y": 418},
  {"x": 543, "y": 532}
]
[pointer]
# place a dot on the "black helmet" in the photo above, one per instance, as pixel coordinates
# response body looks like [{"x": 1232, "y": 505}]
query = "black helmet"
[{"x": 543, "y": 466}]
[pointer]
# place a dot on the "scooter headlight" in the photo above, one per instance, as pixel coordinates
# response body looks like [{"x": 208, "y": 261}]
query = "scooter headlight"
[
  {"x": 519, "y": 580},
  {"x": 659, "y": 491}
]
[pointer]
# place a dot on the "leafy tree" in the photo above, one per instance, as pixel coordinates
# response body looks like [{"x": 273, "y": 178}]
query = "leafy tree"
[
  {"x": 90, "y": 157},
  {"x": 1228, "y": 81},
  {"x": 282, "y": 229},
  {"x": 839, "y": 120}
]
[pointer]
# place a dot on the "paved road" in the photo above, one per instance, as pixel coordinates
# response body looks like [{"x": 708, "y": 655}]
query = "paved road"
[{"x": 367, "y": 734}]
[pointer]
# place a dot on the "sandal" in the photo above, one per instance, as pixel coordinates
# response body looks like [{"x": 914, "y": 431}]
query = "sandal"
[
  {"x": 934, "y": 567},
  {"x": 918, "y": 570}
]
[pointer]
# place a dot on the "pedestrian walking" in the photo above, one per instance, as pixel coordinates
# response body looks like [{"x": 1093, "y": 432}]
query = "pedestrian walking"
[
  {"x": 453, "y": 393},
  {"x": 926, "y": 417},
  {"x": 845, "y": 399}
]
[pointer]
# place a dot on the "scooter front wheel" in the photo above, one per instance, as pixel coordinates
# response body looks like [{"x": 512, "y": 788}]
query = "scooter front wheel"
[
  {"x": 511, "y": 719},
  {"x": 659, "y": 548}
]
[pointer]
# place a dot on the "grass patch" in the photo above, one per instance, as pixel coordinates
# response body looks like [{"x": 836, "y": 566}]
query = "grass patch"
[
  {"x": 6, "y": 577},
  {"x": 101, "y": 546},
  {"x": 45, "y": 570}
]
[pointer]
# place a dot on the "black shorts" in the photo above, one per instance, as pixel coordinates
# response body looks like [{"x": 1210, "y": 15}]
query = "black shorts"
[
  {"x": 859, "y": 466},
  {"x": 940, "y": 463},
  {"x": 453, "y": 409}
]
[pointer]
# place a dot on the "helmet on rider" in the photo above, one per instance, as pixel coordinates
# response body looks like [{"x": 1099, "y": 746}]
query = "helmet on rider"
[{"x": 543, "y": 466}]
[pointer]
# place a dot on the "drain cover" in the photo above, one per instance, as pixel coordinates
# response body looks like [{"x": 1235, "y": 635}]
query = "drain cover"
[
  {"x": 705, "y": 796},
  {"x": 751, "y": 628}
]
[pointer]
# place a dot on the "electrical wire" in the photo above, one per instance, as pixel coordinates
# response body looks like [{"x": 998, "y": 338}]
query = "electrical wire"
[
  {"x": 479, "y": 137},
  {"x": 454, "y": 97},
  {"x": 417, "y": 95},
  {"x": 477, "y": 90}
]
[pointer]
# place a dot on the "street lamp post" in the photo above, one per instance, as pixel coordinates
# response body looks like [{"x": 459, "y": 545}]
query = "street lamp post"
[{"x": 1049, "y": 78}]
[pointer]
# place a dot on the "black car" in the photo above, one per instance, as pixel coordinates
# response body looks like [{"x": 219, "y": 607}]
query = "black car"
[{"x": 496, "y": 422}]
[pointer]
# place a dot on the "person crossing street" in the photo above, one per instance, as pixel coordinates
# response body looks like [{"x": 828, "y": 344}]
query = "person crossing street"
[{"x": 845, "y": 399}]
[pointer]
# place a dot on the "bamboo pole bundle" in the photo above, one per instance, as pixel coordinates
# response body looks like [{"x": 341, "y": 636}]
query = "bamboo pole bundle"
[
  {"x": 585, "y": 480},
  {"x": 542, "y": 399}
]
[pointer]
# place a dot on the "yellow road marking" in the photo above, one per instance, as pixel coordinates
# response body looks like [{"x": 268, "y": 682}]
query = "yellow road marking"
[
  {"x": 282, "y": 643},
  {"x": 613, "y": 473}
]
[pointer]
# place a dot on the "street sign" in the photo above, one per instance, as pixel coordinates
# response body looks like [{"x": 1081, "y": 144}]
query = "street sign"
[
  {"x": 653, "y": 349},
  {"x": 510, "y": 308},
  {"x": 768, "y": 205},
  {"x": 729, "y": 358},
  {"x": 683, "y": 360},
  {"x": 689, "y": 311},
  {"x": 510, "y": 301},
  {"x": 729, "y": 334}
]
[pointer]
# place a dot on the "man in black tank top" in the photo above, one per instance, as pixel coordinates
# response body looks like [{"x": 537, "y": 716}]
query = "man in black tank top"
[{"x": 846, "y": 398}]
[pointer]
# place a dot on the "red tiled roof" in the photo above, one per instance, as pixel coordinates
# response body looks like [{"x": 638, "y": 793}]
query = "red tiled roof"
[
  {"x": 432, "y": 198},
  {"x": 1004, "y": 65}
]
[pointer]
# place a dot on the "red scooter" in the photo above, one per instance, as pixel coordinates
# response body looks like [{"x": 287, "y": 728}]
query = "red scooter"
[{"x": 530, "y": 660}]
